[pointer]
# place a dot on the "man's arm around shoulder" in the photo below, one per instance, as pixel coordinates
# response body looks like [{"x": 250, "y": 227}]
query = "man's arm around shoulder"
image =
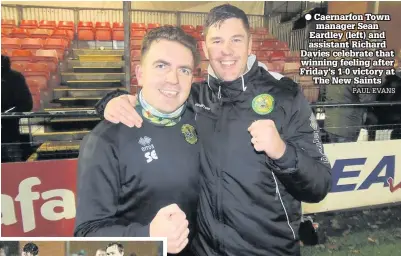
[{"x": 102, "y": 103}]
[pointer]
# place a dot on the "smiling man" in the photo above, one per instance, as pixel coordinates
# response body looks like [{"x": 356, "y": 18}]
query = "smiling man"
[
  {"x": 132, "y": 182},
  {"x": 115, "y": 249},
  {"x": 261, "y": 152}
]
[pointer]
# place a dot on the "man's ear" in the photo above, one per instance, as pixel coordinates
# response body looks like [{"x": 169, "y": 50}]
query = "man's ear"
[
  {"x": 139, "y": 74},
  {"x": 204, "y": 49}
]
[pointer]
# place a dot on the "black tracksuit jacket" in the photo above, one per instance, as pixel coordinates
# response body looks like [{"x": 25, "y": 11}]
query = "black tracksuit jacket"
[
  {"x": 125, "y": 175},
  {"x": 249, "y": 204}
]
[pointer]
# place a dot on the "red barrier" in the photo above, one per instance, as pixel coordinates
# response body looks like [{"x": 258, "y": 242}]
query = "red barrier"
[{"x": 38, "y": 198}]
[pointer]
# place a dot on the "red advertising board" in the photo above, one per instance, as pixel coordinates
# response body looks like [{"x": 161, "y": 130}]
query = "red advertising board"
[{"x": 38, "y": 198}]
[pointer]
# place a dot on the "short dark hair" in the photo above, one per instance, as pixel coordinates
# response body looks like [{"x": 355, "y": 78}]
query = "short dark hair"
[
  {"x": 174, "y": 34},
  {"x": 220, "y": 13},
  {"x": 31, "y": 248},
  {"x": 119, "y": 246}
]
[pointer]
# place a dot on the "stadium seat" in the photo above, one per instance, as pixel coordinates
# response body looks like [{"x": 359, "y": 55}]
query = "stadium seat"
[
  {"x": 293, "y": 56},
  {"x": 261, "y": 31},
  {"x": 264, "y": 55},
  {"x": 278, "y": 58},
  {"x": 85, "y": 24},
  {"x": 38, "y": 72},
  {"x": 41, "y": 68},
  {"x": 257, "y": 37},
  {"x": 6, "y": 31},
  {"x": 57, "y": 44},
  {"x": 32, "y": 44},
  {"x": 138, "y": 27},
  {"x": 198, "y": 36},
  {"x": 8, "y": 23},
  {"x": 8, "y": 43},
  {"x": 21, "y": 53},
  {"x": 29, "y": 25},
  {"x": 21, "y": 57},
  {"x": 48, "y": 57},
  {"x": 269, "y": 45},
  {"x": 5, "y": 52},
  {"x": 63, "y": 34},
  {"x": 152, "y": 26},
  {"x": 135, "y": 55},
  {"x": 86, "y": 31},
  {"x": 138, "y": 34},
  {"x": 118, "y": 31},
  {"x": 68, "y": 26},
  {"x": 136, "y": 44},
  {"x": 19, "y": 33},
  {"x": 47, "y": 24},
  {"x": 282, "y": 46},
  {"x": 278, "y": 55},
  {"x": 66, "y": 35},
  {"x": 188, "y": 28},
  {"x": 41, "y": 33},
  {"x": 20, "y": 67},
  {"x": 255, "y": 47},
  {"x": 103, "y": 31}
]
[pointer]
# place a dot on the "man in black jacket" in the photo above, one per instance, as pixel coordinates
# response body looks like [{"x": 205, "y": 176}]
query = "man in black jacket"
[
  {"x": 261, "y": 152},
  {"x": 15, "y": 97},
  {"x": 134, "y": 182}
]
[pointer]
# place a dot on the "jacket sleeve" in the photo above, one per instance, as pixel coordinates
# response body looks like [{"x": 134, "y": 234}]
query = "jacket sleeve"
[
  {"x": 102, "y": 103},
  {"x": 303, "y": 169},
  {"x": 98, "y": 186}
]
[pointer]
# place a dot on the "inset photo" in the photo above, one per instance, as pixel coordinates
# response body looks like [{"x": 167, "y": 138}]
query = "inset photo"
[{"x": 80, "y": 247}]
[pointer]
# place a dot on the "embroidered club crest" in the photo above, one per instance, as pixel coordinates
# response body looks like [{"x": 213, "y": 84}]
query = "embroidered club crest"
[
  {"x": 189, "y": 133},
  {"x": 263, "y": 104}
]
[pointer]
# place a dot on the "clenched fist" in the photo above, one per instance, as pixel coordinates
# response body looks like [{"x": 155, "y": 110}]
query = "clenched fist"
[
  {"x": 265, "y": 137},
  {"x": 171, "y": 222}
]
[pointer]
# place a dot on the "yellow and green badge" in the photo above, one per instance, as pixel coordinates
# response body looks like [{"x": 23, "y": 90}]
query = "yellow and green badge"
[
  {"x": 189, "y": 133},
  {"x": 263, "y": 104}
]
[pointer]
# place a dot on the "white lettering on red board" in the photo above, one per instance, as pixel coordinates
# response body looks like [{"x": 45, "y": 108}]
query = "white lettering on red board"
[{"x": 26, "y": 196}]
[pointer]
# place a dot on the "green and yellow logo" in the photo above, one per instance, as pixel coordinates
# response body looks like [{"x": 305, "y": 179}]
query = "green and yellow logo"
[
  {"x": 263, "y": 104},
  {"x": 189, "y": 133}
]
